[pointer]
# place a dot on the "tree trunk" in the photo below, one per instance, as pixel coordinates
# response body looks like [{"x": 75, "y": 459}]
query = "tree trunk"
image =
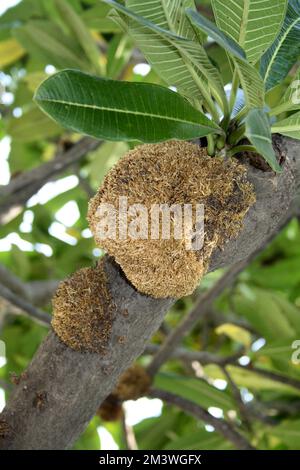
[{"x": 62, "y": 389}]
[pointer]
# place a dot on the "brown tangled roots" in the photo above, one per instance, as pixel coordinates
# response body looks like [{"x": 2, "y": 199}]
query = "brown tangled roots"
[
  {"x": 173, "y": 173},
  {"x": 133, "y": 384},
  {"x": 5, "y": 429},
  {"x": 83, "y": 310}
]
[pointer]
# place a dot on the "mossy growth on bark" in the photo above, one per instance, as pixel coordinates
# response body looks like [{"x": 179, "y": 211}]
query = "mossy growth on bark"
[
  {"x": 171, "y": 173},
  {"x": 133, "y": 384},
  {"x": 5, "y": 429},
  {"x": 83, "y": 310}
]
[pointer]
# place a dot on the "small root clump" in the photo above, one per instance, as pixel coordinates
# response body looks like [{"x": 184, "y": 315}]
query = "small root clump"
[
  {"x": 83, "y": 310},
  {"x": 5, "y": 429},
  {"x": 171, "y": 173},
  {"x": 111, "y": 409},
  {"x": 133, "y": 384}
]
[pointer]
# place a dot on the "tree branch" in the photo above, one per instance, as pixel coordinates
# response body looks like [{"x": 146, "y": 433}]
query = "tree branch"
[
  {"x": 201, "y": 308},
  {"x": 196, "y": 411},
  {"x": 76, "y": 383},
  {"x": 36, "y": 292},
  {"x": 203, "y": 357},
  {"x": 41, "y": 317},
  {"x": 244, "y": 411},
  {"x": 20, "y": 189}
]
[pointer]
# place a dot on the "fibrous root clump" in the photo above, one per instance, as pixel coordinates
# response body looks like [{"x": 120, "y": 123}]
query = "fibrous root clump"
[
  {"x": 133, "y": 384},
  {"x": 83, "y": 310},
  {"x": 5, "y": 429},
  {"x": 173, "y": 173}
]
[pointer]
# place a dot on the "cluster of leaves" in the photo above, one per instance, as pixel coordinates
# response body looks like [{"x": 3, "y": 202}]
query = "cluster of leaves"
[
  {"x": 261, "y": 40},
  {"x": 264, "y": 303}
]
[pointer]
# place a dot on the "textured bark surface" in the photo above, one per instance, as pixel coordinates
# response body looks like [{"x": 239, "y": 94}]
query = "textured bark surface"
[{"x": 62, "y": 389}]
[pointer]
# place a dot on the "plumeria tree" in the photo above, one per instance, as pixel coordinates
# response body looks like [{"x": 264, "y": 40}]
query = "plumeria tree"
[{"x": 211, "y": 88}]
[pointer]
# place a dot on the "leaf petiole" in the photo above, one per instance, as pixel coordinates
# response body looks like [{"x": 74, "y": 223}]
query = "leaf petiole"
[
  {"x": 237, "y": 135},
  {"x": 240, "y": 149}
]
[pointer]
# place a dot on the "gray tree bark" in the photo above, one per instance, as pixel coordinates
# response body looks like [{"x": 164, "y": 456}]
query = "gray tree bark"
[{"x": 62, "y": 389}]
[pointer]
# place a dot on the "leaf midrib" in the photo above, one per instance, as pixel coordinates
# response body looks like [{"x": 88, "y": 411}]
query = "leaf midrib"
[
  {"x": 279, "y": 47},
  {"x": 261, "y": 137},
  {"x": 104, "y": 108},
  {"x": 170, "y": 24},
  {"x": 244, "y": 23},
  {"x": 290, "y": 128}
]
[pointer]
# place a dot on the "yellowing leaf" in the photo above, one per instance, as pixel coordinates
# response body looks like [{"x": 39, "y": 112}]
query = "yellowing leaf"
[
  {"x": 236, "y": 333},
  {"x": 10, "y": 52},
  {"x": 33, "y": 80},
  {"x": 249, "y": 379}
]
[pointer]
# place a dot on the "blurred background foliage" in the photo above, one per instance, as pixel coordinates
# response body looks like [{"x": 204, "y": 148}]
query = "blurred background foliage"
[{"x": 258, "y": 318}]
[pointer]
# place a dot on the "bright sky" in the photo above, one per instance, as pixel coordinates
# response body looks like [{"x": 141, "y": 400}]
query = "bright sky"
[
  {"x": 5, "y": 4},
  {"x": 135, "y": 411}
]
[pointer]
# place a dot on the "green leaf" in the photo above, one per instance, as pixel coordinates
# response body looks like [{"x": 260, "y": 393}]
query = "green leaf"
[
  {"x": 179, "y": 61},
  {"x": 283, "y": 53},
  {"x": 103, "y": 159},
  {"x": 270, "y": 275},
  {"x": 225, "y": 41},
  {"x": 89, "y": 440},
  {"x": 263, "y": 311},
  {"x": 280, "y": 349},
  {"x": 221, "y": 61},
  {"x": 250, "y": 379},
  {"x": 167, "y": 14},
  {"x": 199, "y": 440},
  {"x": 32, "y": 126},
  {"x": 251, "y": 81},
  {"x": 291, "y": 98},
  {"x": 21, "y": 12},
  {"x": 195, "y": 390},
  {"x": 113, "y": 110},
  {"x": 289, "y": 126},
  {"x": 96, "y": 18},
  {"x": 118, "y": 55},
  {"x": 152, "y": 433},
  {"x": 24, "y": 155},
  {"x": 288, "y": 432},
  {"x": 81, "y": 33},
  {"x": 258, "y": 131},
  {"x": 48, "y": 42},
  {"x": 254, "y": 24}
]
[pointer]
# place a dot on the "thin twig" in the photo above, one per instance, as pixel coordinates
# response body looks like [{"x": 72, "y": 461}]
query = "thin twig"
[
  {"x": 220, "y": 425},
  {"x": 200, "y": 356},
  {"x": 83, "y": 182},
  {"x": 244, "y": 411},
  {"x": 36, "y": 292},
  {"x": 283, "y": 408},
  {"x": 202, "y": 306},
  {"x": 12, "y": 282},
  {"x": 42, "y": 317},
  {"x": 217, "y": 318},
  {"x": 20, "y": 189},
  {"x": 128, "y": 433}
]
